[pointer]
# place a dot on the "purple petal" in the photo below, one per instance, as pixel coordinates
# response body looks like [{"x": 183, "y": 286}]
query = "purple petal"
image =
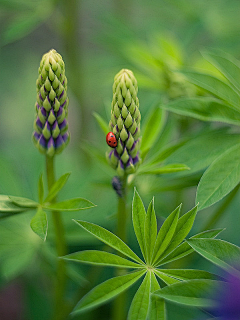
[
  {"x": 59, "y": 142},
  {"x": 39, "y": 123},
  {"x": 63, "y": 124},
  {"x": 42, "y": 141},
  {"x": 40, "y": 96},
  {"x": 61, "y": 94},
  {"x": 65, "y": 136},
  {"x": 50, "y": 143},
  {"x": 136, "y": 159}
]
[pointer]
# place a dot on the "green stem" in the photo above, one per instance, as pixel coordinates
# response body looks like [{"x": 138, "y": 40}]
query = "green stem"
[
  {"x": 119, "y": 304},
  {"x": 60, "y": 246}
]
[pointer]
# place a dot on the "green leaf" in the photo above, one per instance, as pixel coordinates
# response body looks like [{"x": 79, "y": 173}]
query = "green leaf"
[
  {"x": 220, "y": 178},
  {"x": 8, "y": 207},
  {"x": 40, "y": 189},
  {"x": 109, "y": 238},
  {"x": 157, "y": 306},
  {"x": 215, "y": 86},
  {"x": 70, "y": 205},
  {"x": 205, "y": 109},
  {"x": 188, "y": 274},
  {"x": 184, "y": 225},
  {"x": 39, "y": 224},
  {"x": 150, "y": 231},
  {"x": 219, "y": 252},
  {"x": 107, "y": 291},
  {"x": 101, "y": 258},
  {"x": 166, "y": 233},
  {"x": 140, "y": 304},
  {"x": 150, "y": 169},
  {"x": 152, "y": 129},
  {"x": 24, "y": 202},
  {"x": 56, "y": 187},
  {"x": 138, "y": 218},
  {"x": 102, "y": 123},
  {"x": 165, "y": 278},
  {"x": 185, "y": 249},
  {"x": 190, "y": 293},
  {"x": 226, "y": 64}
]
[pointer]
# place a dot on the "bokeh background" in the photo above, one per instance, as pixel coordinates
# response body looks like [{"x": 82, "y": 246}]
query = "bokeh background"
[{"x": 96, "y": 39}]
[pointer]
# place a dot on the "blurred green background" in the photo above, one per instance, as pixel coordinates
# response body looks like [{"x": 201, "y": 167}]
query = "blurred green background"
[{"x": 96, "y": 39}]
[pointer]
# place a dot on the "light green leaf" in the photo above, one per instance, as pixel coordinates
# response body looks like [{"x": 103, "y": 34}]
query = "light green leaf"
[
  {"x": 219, "y": 252},
  {"x": 215, "y": 86},
  {"x": 188, "y": 274},
  {"x": 101, "y": 258},
  {"x": 151, "y": 169},
  {"x": 220, "y": 178},
  {"x": 40, "y": 189},
  {"x": 226, "y": 64},
  {"x": 8, "y": 207},
  {"x": 109, "y": 238},
  {"x": 157, "y": 306},
  {"x": 107, "y": 291},
  {"x": 140, "y": 304},
  {"x": 101, "y": 122},
  {"x": 56, "y": 187},
  {"x": 185, "y": 249},
  {"x": 138, "y": 218},
  {"x": 152, "y": 129},
  {"x": 70, "y": 205},
  {"x": 205, "y": 109},
  {"x": 165, "y": 278},
  {"x": 39, "y": 224},
  {"x": 184, "y": 225},
  {"x": 190, "y": 293},
  {"x": 24, "y": 202},
  {"x": 150, "y": 231},
  {"x": 166, "y": 233}
]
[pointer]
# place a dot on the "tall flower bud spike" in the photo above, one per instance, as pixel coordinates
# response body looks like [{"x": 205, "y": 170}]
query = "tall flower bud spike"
[
  {"x": 125, "y": 124},
  {"x": 50, "y": 126}
]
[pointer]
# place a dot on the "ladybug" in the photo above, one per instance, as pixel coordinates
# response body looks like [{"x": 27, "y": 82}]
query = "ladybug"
[{"x": 111, "y": 140}]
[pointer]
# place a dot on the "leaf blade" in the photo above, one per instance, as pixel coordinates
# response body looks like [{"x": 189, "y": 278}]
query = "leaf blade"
[
  {"x": 150, "y": 231},
  {"x": 74, "y": 204},
  {"x": 39, "y": 224},
  {"x": 57, "y": 186}
]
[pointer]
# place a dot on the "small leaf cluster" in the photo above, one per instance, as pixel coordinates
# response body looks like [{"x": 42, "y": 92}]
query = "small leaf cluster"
[
  {"x": 11, "y": 205},
  {"x": 158, "y": 248}
]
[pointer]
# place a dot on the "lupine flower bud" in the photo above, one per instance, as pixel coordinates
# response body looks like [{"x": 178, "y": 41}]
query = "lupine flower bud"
[
  {"x": 50, "y": 126},
  {"x": 125, "y": 124}
]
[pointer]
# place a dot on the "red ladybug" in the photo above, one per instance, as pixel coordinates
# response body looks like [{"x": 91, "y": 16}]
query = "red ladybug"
[{"x": 111, "y": 140}]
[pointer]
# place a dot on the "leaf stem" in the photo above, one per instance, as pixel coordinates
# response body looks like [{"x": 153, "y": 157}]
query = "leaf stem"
[
  {"x": 60, "y": 245},
  {"x": 119, "y": 304}
]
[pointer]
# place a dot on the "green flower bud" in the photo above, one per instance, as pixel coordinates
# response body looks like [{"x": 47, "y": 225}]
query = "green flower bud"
[
  {"x": 50, "y": 126},
  {"x": 125, "y": 124}
]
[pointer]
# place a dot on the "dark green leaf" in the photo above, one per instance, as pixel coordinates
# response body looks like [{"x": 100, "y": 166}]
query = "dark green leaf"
[
  {"x": 101, "y": 258},
  {"x": 219, "y": 252},
  {"x": 102, "y": 123},
  {"x": 184, "y": 225},
  {"x": 150, "y": 231},
  {"x": 215, "y": 86},
  {"x": 107, "y": 291},
  {"x": 157, "y": 306},
  {"x": 138, "y": 218},
  {"x": 40, "y": 189},
  {"x": 23, "y": 202},
  {"x": 185, "y": 249},
  {"x": 165, "y": 234},
  {"x": 220, "y": 178},
  {"x": 109, "y": 238},
  {"x": 70, "y": 205},
  {"x": 205, "y": 109},
  {"x": 39, "y": 224},
  {"x": 140, "y": 304},
  {"x": 190, "y": 293},
  {"x": 165, "y": 278},
  {"x": 57, "y": 186},
  {"x": 188, "y": 274}
]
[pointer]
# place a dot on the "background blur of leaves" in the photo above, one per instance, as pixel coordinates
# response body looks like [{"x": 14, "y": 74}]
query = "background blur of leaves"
[{"x": 97, "y": 39}]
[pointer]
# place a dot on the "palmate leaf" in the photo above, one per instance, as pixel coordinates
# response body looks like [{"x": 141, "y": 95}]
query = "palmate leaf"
[
  {"x": 165, "y": 278},
  {"x": 150, "y": 231},
  {"x": 219, "y": 252},
  {"x": 205, "y": 109},
  {"x": 101, "y": 258},
  {"x": 157, "y": 305},
  {"x": 185, "y": 249},
  {"x": 190, "y": 292},
  {"x": 39, "y": 224},
  {"x": 141, "y": 301},
  {"x": 107, "y": 291},
  {"x": 57, "y": 186},
  {"x": 220, "y": 178},
  {"x": 109, "y": 238},
  {"x": 187, "y": 274},
  {"x": 138, "y": 218}
]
